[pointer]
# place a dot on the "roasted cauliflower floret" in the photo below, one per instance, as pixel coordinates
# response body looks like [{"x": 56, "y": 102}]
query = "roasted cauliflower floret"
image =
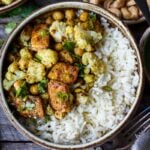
[
  {"x": 13, "y": 74},
  {"x": 36, "y": 72},
  {"x": 40, "y": 37},
  {"x": 47, "y": 57},
  {"x": 96, "y": 65},
  {"x": 69, "y": 33},
  {"x": 25, "y": 57},
  {"x": 25, "y": 54},
  {"x": 64, "y": 72},
  {"x": 85, "y": 38},
  {"x": 57, "y": 31}
]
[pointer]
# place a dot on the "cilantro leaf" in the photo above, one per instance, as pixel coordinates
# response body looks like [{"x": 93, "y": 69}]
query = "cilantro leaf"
[
  {"x": 42, "y": 86},
  {"x": 69, "y": 46}
]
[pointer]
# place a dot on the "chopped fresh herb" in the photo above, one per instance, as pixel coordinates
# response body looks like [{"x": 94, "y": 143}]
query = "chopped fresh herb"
[
  {"x": 93, "y": 17},
  {"x": 9, "y": 27},
  {"x": 49, "y": 110},
  {"x": 81, "y": 69},
  {"x": 107, "y": 88},
  {"x": 43, "y": 32},
  {"x": 63, "y": 96},
  {"x": 22, "y": 91},
  {"x": 47, "y": 118},
  {"x": 37, "y": 58},
  {"x": 21, "y": 108},
  {"x": 69, "y": 46},
  {"x": 29, "y": 106},
  {"x": 42, "y": 86}
]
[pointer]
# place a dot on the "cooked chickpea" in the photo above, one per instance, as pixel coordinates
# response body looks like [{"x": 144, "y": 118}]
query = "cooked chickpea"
[
  {"x": 49, "y": 20},
  {"x": 78, "y": 51},
  {"x": 70, "y": 22},
  {"x": 78, "y": 90},
  {"x": 34, "y": 89},
  {"x": 58, "y": 15},
  {"x": 18, "y": 84},
  {"x": 85, "y": 25},
  {"x": 23, "y": 64},
  {"x": 58, "y": 46},
  {"x": 89, "y": 78},
  {"x": 89, "y": 48},
  {"x": 45, "y": 96},
  {"x": 84, "y": 16},
  {"x": 70, "y": 14}
]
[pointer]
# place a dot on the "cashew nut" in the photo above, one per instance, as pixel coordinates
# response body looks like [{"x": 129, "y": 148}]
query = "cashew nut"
[
  {"x": 118, "y": 3},
  {"x": 130, "y": 13},
  {"x": 130, "y": 3},
  {"x": 116, "y": 12},
  {"x": 96, "y": 1}
]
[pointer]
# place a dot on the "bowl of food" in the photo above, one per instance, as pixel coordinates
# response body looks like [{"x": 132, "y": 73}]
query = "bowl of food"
[
  {"x": 7, "y": 5},
  {"x": 71, "y": 76},
  {"x": 126, "y": 10}
]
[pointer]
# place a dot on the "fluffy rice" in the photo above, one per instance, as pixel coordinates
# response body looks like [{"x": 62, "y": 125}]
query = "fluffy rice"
[{"x": 107, "y": 109}]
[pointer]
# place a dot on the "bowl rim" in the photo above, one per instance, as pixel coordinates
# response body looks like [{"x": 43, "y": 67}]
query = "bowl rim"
[
  {"x": 6, "y": 8},
  {"x": 76, "y": 5}
]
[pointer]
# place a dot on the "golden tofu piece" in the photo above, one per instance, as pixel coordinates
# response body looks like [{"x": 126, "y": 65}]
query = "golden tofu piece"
[
  {"x": 31, "y": 108},
  {"x": 59, "y": 96},
  {"x": 64, "y": 72},
  {"x": 40, "y": 38},
  {"x": 66, "y": 57}
]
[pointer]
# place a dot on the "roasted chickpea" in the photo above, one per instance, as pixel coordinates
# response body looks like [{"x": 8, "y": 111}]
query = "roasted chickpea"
[
  {"x": 70, "y": 14},
  {"x": 49, "y": 20},
  {"x": 89, "y": 78},
  {"x": 85, "y": 25},
  {"x": 89, "y": 48},
  {"x": 34, "y": 89},
  {"x": 23, "y": 64},
  {"x": 58, "y": 46},
  {"x": 45, "y": 96},
  {"x": 78, "y": 51},
  {"x": 18, "y": 84},
  {"x": 84, "y": 16},
  {"x": 58, "y": 15},
  {"x": 70, "y": 22}
]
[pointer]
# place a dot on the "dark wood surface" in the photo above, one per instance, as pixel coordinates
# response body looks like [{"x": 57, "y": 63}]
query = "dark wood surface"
[{"x": 11, "y": 139}]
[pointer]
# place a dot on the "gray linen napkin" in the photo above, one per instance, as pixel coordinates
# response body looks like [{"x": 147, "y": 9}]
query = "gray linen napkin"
[{"x": 143, "y": 141}]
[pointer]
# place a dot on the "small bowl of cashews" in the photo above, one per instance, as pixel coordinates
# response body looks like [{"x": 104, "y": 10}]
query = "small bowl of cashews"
[{"x": 127, "y": 10}]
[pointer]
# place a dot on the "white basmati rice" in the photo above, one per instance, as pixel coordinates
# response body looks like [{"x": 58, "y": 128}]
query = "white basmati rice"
[{"x": 106, "y": 109}]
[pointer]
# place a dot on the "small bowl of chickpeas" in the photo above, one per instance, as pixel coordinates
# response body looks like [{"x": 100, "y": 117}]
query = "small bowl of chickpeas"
[
  {"x": 126, "y": 10},
  {"x": 7, "y": 5}
]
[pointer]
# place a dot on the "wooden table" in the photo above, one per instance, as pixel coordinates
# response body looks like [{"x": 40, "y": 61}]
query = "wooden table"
[{"x": 10, "y": 139}]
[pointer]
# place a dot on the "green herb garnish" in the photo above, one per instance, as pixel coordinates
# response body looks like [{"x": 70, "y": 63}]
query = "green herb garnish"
[
  {"x": 93, "y": 17},
  {"x": 107, "y": 88},
  {"x": 47, "y": 118},
  {"x": 43, "y": 32},
  {"x": 63, "y": 96},
  {"x": 29, "y": 106},
  {"x": 22, "y": 91},
  {"x": 81, "y": 69},
  {"x": 69, "y": 46},
  {"x": 42, "y": 86},
  {"x": 10, "y": 26}
]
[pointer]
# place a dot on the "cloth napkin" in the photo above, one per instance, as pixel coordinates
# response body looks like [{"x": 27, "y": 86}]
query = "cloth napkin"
[{"x": 143, "y": 141}]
